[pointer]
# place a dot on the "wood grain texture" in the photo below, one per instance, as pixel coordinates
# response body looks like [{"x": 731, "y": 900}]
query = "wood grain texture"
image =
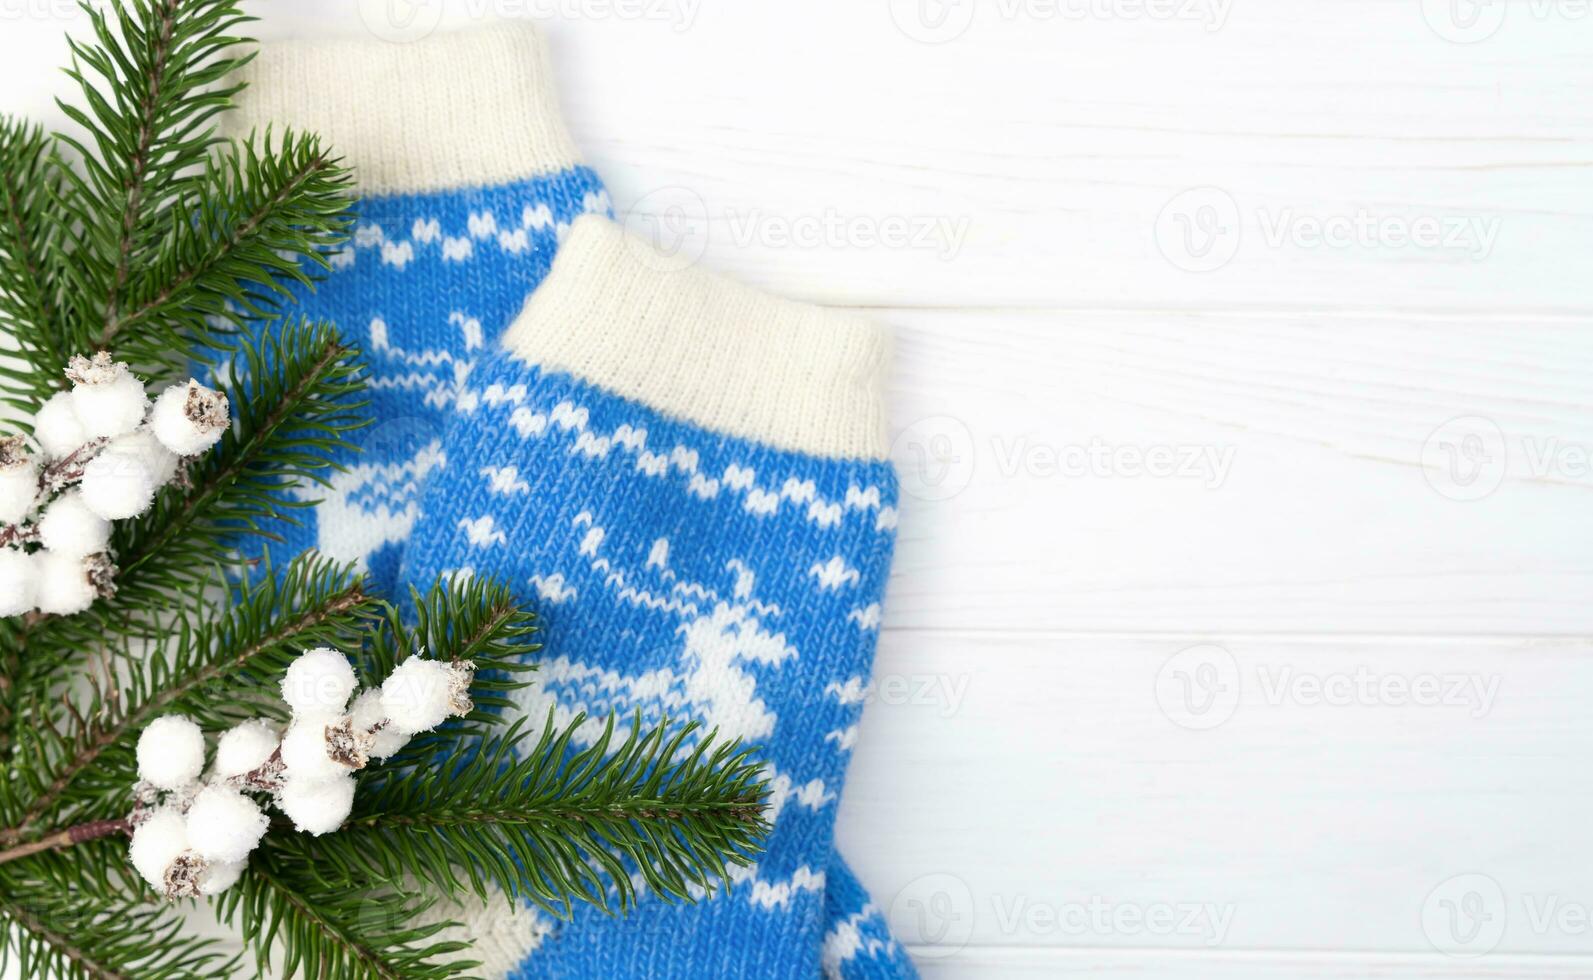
[
  {"x": 1050, "y": 144},
  {"x": 1004, "y": 783},
  {"x": 1098, "y": 470},
  {"x": 1034, "y": 964}
]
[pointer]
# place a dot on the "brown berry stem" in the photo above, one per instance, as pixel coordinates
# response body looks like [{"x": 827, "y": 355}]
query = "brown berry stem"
[{"x": 70, "y": 837}]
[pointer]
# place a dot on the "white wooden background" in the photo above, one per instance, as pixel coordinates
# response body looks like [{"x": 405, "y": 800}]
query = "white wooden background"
[{"x": 1181, "y": 472}]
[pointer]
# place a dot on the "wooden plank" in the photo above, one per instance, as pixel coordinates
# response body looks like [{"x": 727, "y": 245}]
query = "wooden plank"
[
  {"x": 1042, "y": 159},
  {"x": 1022, "y": 964},
  {"x": 1311, "y": 475},
  {"x": 1065, "y": 148},
  {"x": 1336, "y": 794}
]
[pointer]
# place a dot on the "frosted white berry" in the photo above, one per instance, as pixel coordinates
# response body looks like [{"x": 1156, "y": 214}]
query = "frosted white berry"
[
  {"x": 189, "y": 418},
  {"x": 106, "y": 397},
  {"x": 306, "y": 752},
  {"x": 319, "y": 683},
  {"x": 56, "y": 427},
  {"x": 68, "y": 527},
  {"x": 119, "y": 485},
  {"x": 156, "y": 845},
  {"x": 224, "y": 825},
  {"x": 366, "y": 715},
  {"x": 317, "y": 806},
  {"x": 219, "y": 876},
  {"x": 19, "y": 480},
  {"x": 64, "y": 587},
  {"x": 19, "y": 582},
  {"x": 245, "y": 748},
  {"x": 141, "y": 442},
  {"x": 171, "y": 752},
  {"x": 421, "y": 694}
]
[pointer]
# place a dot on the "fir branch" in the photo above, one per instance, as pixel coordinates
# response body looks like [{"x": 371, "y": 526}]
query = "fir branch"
[
  {"x": 336, "y": 929},
  {"x": 28, "y": 258},
  {"x": 138, "y": 163},
  {"x": 263, "y": 216},
  {"x": 70, "y": 837},
  {"x": 554, "y": 825},
  {"x": 71, "y": 955},
  {"x": 160, "y": 237},
  {"x": 213, "y": 669},
  {"x": 149, "y": 88},
  {"x": 294, "y": 396},
  {"x": 476, "y": 620},
  {"x": 62, "y": 917}
]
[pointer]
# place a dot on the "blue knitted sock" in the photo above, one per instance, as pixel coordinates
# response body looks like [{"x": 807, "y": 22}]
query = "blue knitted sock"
[
  {"x": 687, "y": 480},
  {"x": 467, "y": 180},
  {"x": 857, "y": 939}
]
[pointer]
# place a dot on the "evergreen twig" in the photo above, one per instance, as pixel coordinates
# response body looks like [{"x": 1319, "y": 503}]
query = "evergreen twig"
[{"x": 151, "y": 237}]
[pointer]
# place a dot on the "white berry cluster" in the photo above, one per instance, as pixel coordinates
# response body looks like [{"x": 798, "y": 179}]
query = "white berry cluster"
[
  {"x": 192, "y": 836},
  {"x": 102, "y": 451}
]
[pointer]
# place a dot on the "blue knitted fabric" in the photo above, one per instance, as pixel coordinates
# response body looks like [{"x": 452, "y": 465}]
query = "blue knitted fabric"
[
  {"x": 857, "y": 941},
  {"x": 684, "y": 573},
  {"x": 426, "y": 286}
]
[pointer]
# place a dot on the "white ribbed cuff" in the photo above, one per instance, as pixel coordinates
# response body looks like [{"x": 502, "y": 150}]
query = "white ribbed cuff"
[
  {"x": 705, "y": 349},
  {"x": 455, "y": 110}
]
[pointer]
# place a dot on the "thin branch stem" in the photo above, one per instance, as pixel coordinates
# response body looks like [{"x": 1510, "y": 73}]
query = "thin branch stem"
[
  {"x": 350, "y": 598},
  {"x": 140, "y": 166},
  {"x": 70, "y": 837},
  {"x": 369, "y": 956},
  {"x": 288, "y": 191},
  {"x": 219, "y": 480},
  {"x": 749, "y": 811}
]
